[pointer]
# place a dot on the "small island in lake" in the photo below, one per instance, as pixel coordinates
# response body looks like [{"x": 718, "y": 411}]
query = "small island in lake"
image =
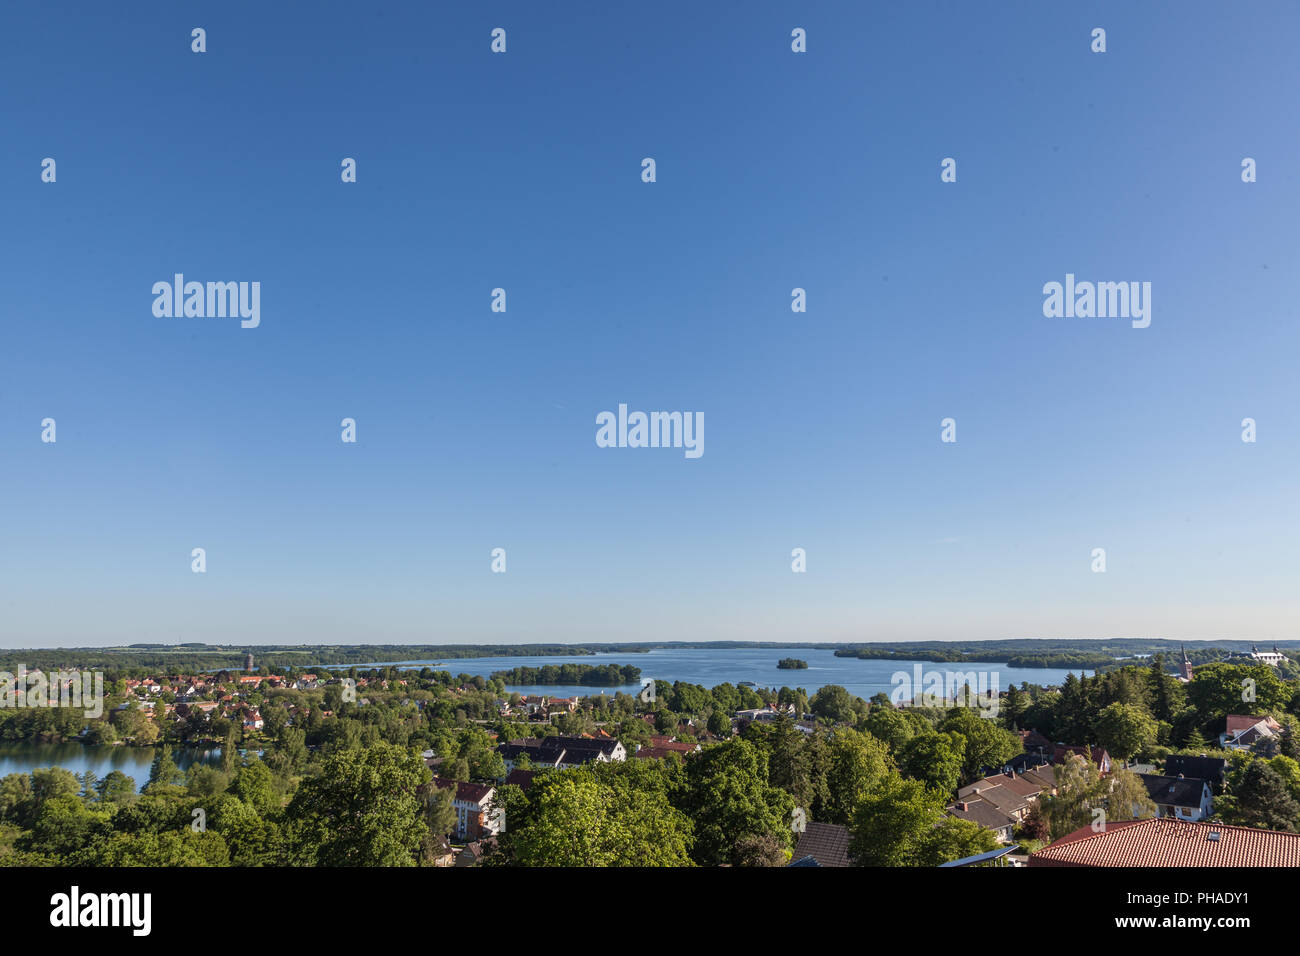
[{"x": 791, "y": 664}]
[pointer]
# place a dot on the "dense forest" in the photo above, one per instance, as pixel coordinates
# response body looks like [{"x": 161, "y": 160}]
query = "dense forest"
[{"x": 139, "y": 659}]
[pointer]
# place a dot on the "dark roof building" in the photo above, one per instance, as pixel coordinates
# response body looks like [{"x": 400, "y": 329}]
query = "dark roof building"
[
  {"x": 523, "y": 779},
  {"x": 1206, "y": 768},
  {"x": 1173, "y": 791},
  {"x": 984, "y": 814},
  {"x": 826, "y": 843}
]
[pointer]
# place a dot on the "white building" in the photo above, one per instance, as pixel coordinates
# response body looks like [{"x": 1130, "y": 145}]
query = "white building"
[{"x": 1272, "y": 658}]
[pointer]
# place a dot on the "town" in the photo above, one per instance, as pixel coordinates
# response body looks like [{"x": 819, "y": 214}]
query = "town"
[{"x": 1149, "y": 763}]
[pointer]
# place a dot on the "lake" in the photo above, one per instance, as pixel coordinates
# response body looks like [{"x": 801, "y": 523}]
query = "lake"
[
  {"x": 100, "y": 759},
  {"x": 712, "y": 666}
]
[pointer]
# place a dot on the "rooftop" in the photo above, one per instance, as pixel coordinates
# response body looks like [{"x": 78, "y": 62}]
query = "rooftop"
[{"x": 1171, "y": 843}]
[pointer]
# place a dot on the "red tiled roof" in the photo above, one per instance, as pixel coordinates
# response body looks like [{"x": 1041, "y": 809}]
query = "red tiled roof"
[
  {"x": 1237, "y": 723},
  {"x": 1166, "y": 842},
  {"x": 468, "y": 792}
]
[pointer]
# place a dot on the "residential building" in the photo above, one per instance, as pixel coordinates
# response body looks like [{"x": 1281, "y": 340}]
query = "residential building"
[
  {"x": 1187, "y": 798},
  {"x": 1098, "y": 755},
  {"x": 472, "y": 802},
  {"x": 985, "y": 814},
  {"x": 1212, "y": 769},
  {"x": 827, "y": 844},
  {"x": 562, "y": 752},
  {"x": 1165, "y": 842},
  {"x": 1243, "y": 732}
]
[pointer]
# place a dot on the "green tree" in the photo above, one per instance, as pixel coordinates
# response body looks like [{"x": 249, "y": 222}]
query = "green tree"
[
  {"x": 1126, "y": 797},
  {"x": 790, "y": 761},
  {"x": 116, "y": 788},
  {"x": 1220, "y": 689},
  {"x": 886, "y": 723},
  {"x": 439, "y": 809},
  {"x": 856, "y": 763},
  {"x": 255, "y": 786},
  {"x": 727, "y": 794},
  {"x": 1125, "y": 730},
  {"x": 579, "y": 822},
  {"x": 901, "y": 823},
  {"x": 164, "y": 771},
  {"x": 988, "y": 746},
  {"x": 364, "y": 809},
  {"x": 934, "y": 759},
  {"x": 833, "y": 703},
  {"x": 1263, "y": 799}
]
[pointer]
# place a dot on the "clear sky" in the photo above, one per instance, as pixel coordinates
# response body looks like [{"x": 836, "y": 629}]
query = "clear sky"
[{"x": 522, "y": 170}]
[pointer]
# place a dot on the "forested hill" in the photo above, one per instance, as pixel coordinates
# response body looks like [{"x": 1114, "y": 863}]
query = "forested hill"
[
  {"x": 207, "y": 658},
  {"x": 584, "y": 675}
]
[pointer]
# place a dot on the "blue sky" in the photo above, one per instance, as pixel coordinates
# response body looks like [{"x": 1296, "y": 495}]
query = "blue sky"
[{"x": 775, "y": 170}]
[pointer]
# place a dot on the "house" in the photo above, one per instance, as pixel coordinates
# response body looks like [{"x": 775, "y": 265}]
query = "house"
[
  {"x": 576, "y": 751},
  {"x": 473, "y": 852},
  {"x": 523, "y": 779},
  {"x": 826, "y": 843},
  {"x": 1006, "y": 800},
  {"x": 1022, "y": 763},
  {"x": 1244, "y": 732},
  {"x": 562, "y": 752},
  {"x": 1011, "y": 793},
  {"x": 527, "y": 747},
  {"x": 472, "y": 802},
  {"x": 985, "y": 814},
  {"x": 1166, "y": 842},
  {"x": 655, "y": 753},
  {"x": 1098, "y": 755},
  {"x": 1212, "y": 769},
  {"x": 1043, "y": 776},
  {"x": 1033, "y": 742},
  {"x": 1000, "y": 801},
  {"x": 766, "y": 714},
  {"x": 1186, "y": 798},
  {"x": 661, "y": 742}
]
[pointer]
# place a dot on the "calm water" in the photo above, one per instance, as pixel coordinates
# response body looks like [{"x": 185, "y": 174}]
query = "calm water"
[
  {"x": 710, "y": 667},
  {"x": 101, "y": 760}
]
